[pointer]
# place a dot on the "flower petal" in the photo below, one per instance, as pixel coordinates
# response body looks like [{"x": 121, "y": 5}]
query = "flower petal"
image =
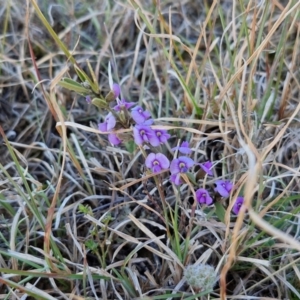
[
  {"x": 116, "y": 89},
  {"x": 188, "y": 161},
  {"x": 149, "y": 160},
  {"x": 185, "y": 144},
  {"x": 148, "y": 122},
  {"x": 164, "y": 162},
  {"x": 162, "y": 135},
  {"x": 103, "y": 127},
  {"x": 209, "y": 200},
  {"x": 206, "y": 167},
  {"x": 175, "y": 178},
  {"x": 113, "y": 139},
  {"x": 137, "y": 136},
  {"x": 223, "y": 187},
  {"x": 137, "y": 117},
  {"x": 153, "y": 139},
  {"x": 237, "y": 205},
  {"x": 174, "y": 167},
  {"x": 156, "y": 168},
  {"x": 203, "y": 197},
  {"x": 111, "y": 121},
  {"x": 123, "y": 104},
  {"x": 183, "y": 148},
  {"x": 147, "y": 114}
]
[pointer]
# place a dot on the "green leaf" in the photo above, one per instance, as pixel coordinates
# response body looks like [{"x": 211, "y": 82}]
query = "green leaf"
[
  {"x": 191, "y": 177},
  {"x": 100, "y": 103},
  {"x": 85, "y": 78},
  {"x": 80, "y": 74},
  {"x": 6, "y": 205},
  {"x": 91, "y": 71},
  {"x": 91, "y": 245},
  {"x": 220, "y": 211},
  {"x": 72, "y": 85},
  {"x": 130, "y": 146}
]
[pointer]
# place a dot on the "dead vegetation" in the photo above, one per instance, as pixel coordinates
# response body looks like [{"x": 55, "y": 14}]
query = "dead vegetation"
[{"x": 80, "y": 219}]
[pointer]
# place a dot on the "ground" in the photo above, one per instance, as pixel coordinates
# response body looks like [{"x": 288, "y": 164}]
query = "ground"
[{"x": 84, "y": 218}]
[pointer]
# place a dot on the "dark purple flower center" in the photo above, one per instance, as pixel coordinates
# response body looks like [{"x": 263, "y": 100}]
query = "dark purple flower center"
[
  {"x": 155, "y": 163},
  {"x": 158, "y": 133},
  {"x": 142, "y": 132},
  {"x": 140, "y": 111}
]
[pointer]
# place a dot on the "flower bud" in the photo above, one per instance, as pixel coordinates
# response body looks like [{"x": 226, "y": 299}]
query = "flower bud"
[{"x": 110, "y": 96}]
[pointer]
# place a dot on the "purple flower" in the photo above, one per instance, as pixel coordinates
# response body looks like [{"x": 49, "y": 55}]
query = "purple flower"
[
  {"x": 139, "y": 115},
  {"x": 237, "y": 205},
  {"x": 88, "y": 99},
  {"x": 224, "y": 187},
  {"x": 175, "y": 178},
  {"x": 108, "y": 124},
  {"x": 162, "y": 135},
  {"x": 203, "y": 197},
  {"x": 178, "y": 166},
  {"x": 113, "y": 139},
  {"x": 157, "y": 162},
  {"x": 123, "y": 104},
  {"x": 206, "y": 167},
  {"x": 181, "y": 165},
  {"x": 116, "y": 89},
  {"x": 142, "y": 133},
  {"x": 184, "y": 148}
]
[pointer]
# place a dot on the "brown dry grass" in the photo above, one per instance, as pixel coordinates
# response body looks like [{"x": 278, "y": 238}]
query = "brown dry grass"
[{"x": 84, "y": 216}]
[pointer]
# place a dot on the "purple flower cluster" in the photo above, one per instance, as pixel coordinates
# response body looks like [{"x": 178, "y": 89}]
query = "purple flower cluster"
[
  {"x": 223, "y": 187},
  {"x": 126, "y": 114},
  {"x": 142, "y": 131},
  {"x": 141, "y": 119}
]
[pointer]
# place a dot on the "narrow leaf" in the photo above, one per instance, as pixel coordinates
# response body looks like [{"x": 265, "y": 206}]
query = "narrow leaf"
[{"x": 74, "y": 86}]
